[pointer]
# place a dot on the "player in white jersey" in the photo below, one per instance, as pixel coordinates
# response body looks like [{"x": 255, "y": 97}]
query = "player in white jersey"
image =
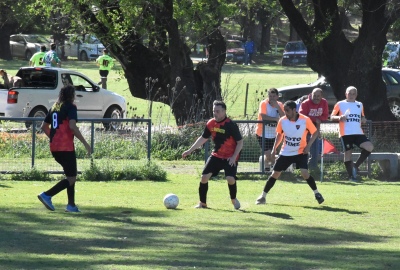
[
  {"x": 350, "y": 114},
  {"x": 292, "y": 130}
]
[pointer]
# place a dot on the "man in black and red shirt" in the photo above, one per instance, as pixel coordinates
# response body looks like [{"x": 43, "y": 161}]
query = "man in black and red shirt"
[
  {"x": 60, "y": 126},
  {"x": 225, "y": 155}
]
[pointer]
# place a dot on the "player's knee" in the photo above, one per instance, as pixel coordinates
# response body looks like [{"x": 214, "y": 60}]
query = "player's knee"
[{"x": 71, "y": 180}]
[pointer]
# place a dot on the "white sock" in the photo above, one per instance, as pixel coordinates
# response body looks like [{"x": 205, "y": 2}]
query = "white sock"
[
  {"x": 264, "y": 194},
  {"x": 316, "y": 191}
]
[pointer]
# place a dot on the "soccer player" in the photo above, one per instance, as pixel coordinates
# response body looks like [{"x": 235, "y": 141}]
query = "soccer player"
[
  {"x": 37, "y": 60},
  {"x": 105, "y": 63},
  {"x": 225, "y": 155},
  {"x": 292, "y": 129},
  {"x": 60, "y": 126},
  {"x": 50, "y": 58},
  {"x": 270, "y": 109},
  {"x": 350, "y": 114}
]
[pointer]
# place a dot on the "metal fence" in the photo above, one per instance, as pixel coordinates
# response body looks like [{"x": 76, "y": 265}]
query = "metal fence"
[{"x": 23, "y": 148}]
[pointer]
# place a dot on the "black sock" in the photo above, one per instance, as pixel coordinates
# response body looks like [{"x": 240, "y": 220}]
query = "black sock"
[
  {"x": 363, "y": 156},
  {"x": 71, "y": 195},
  {"x": 349, "y": 167},
  {"x": 203, "y": 188},
  {"x": 311, "y": 182},
  {"x": 232, "y": 190},
  {"x": 57, "y": 188},
  {"x": 270, "y": 183}
]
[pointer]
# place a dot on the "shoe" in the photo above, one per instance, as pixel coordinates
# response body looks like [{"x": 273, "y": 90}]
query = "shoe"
[
  {"x": 200, "y": 205},
  {"x": 71, "y": 208},
  {"x": 352, "y": 179},
  {"x": 248, "y": 64},
  {"x": 319, "y": 198},
  {"x": 260, "y": 200},
  {"x": 354, "y": 171},
  {"x": 46, "y": 200},
  {"x": 236, "y": 204}
]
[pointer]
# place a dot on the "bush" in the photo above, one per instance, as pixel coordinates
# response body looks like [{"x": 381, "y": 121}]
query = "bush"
[{"x": 31, "y": 175}]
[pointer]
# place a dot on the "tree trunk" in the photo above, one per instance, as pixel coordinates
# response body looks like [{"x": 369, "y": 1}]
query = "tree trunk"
[
  {"x": 343, "y": 62},
  {"x": 8, "y": 26}
]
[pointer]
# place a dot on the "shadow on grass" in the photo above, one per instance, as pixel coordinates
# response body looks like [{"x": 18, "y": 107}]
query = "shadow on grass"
[{"x": 130, "y": 237}]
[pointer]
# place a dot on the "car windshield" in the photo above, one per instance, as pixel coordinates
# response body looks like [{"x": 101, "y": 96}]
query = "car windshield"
[
  {"x": 36, "y": 39},
  {"x": 233, "y": 44},
  {"x": 295, "y": 46}
]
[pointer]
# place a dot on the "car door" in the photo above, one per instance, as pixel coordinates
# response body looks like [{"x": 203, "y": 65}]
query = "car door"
[
  {"x": 17, "y": 46},
  {"x": 392, "y": 82},
  {"x": 87, "y": 100}
]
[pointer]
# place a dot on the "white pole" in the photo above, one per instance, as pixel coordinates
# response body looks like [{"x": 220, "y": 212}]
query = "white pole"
[{"x": 322, "y": 160}]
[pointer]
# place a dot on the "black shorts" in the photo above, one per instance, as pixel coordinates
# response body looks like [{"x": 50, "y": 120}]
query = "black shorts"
[
  {"x": 214, "y": 165},
  {"x": 67, "y": 159},
  {"x": 348, "y": 141},
  {"x": 268, "y": 143},
  {"x": 103, "y": 73},
  {"x": 283, "y": 162}
]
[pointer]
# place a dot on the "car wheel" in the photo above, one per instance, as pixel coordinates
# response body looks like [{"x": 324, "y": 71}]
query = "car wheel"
[
  {"x": 28, "y": 55},
  {"x": 113, "y": 112},
  {"x": 394, "y": 106},
  {"x": 38, "y": 113},
  {"x": 83, "y": 56}
]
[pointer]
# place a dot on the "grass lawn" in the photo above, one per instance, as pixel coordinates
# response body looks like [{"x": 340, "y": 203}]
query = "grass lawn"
[
  {"x": 259, "y": 77},
  {"x": 124, "y": 225}
]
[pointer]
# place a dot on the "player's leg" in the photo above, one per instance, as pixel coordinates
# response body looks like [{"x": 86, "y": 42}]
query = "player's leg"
[
  {"x": 347, "y": 144},
  {"x": 209, "y": 169},
  {"x": 302, "y": 164},
  {"x": 366, "y": 149},
  {"x": 230, "y": 174},
  {"x": 71, "y": 173}
]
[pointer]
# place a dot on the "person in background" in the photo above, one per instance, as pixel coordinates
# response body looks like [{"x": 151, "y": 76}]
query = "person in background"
[
  {"x": 228, "y": 144},
  {"x": 350, "y": 114},
  {"x": 270, "y": 109},
  {"x": 10, "y": 81},
  {"x": 37, "y": 60},
  {"x": 292, "y": 130},
  {"x": 315, "y": 107},
  {"x": 60, "y": 126},
  {"x": 105, "y": 63},
  {"x": 248, "y": 51},
  {"x": 51, "y": 58}
]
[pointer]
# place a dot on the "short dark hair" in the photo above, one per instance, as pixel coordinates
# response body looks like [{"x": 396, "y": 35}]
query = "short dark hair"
[
  {"x": 105, "y": 51},
  {"x": 291, "y": 104},
  {"x": 219, "y": 103},
  {"x": 43, "y": 48},
  {"x": 273, "y": 91},
  {"x": 53, "y": 46}
]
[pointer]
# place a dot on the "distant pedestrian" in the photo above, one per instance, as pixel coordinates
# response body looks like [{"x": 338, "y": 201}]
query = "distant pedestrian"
[
  {"x": 37, "y": 60},
  {"x": 105, "y": 63},
  {"x": 10, "y": 81},
  {"x": 60, "y": 126},
  {"x": 228, "y": 143},
  {"x": 51, "y": 58},
  {"x": 248, "y": 51}
]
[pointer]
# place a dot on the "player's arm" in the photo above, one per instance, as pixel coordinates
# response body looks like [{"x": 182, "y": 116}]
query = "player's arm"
[
  {"x": 78, "y": 134},
  {"x": 314, "y": 135},
  {"x": 335, "y": 114},
  {"x": 46, "y": 128},
  {"x": 278, "y": 140},
  {"x": 199, "y": 142}
]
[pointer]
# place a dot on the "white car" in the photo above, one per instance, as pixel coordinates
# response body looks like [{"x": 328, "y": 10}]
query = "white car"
[
  {"x": 84, "y": 48},
  {"x": 40, "y": 90}
]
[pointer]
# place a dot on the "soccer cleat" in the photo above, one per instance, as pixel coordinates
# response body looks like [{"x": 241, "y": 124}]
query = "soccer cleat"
[
  {"x": 236, "y": 204},
  {"x": 354, "y": 171},
  {"x": 260, "y": 200},
  {"x": 200, "y": 205},
  {"x": 71, "y": 208},
  {"x": 46, "y": 200},
  {"x": 319, "y": 198}
]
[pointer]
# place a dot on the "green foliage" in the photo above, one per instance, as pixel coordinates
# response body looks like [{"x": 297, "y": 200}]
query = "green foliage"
[
  {"x": 31, "y": 175},
  {"x": 140, "y": 170}
]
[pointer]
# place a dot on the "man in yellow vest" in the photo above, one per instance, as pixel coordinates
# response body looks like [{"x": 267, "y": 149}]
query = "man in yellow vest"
[{"x": 105, "y": 62}]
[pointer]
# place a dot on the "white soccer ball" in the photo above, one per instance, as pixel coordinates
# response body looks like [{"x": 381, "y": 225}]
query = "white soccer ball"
[{"x": 171, "y": 201}]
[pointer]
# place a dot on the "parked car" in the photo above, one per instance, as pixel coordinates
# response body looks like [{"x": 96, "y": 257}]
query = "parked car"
[
  {"x": 234, "y": 51},
  {"x": 85, "y": 48},
  {"x": 390, "y": 55},
  {"x": 391, "y": 78},
  {"x": 25, "y": 46},
  {"x": 41, "y": 87},
  {"x": 295, "y": 53}
]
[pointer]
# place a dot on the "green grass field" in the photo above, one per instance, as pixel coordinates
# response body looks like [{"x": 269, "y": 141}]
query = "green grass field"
[
  {"x": 234, "y": 80},
  {"x": 124, "y": 225}
]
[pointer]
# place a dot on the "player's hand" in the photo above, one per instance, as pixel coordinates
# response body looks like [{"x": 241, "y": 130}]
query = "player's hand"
[
  {"x": 185, "y": 154},
  {"x": 306, "y": 150},
  {"x": 232, "y": 161}
]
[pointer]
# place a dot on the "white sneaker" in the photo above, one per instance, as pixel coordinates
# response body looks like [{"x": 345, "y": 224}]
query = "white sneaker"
[
  {"x": 261, "y": 200},
  {"x": 236, "y": 204}
]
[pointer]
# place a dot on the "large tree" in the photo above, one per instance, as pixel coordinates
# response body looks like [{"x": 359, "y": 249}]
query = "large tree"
[
  {"x": 344, "y": 61},
  {"x": 149, "y": 39}
]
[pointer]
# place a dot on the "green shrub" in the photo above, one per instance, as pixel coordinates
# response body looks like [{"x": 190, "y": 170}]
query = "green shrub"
[{"x": 31, "y": 175}]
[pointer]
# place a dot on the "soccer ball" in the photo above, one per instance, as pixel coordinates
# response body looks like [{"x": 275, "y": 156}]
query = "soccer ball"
[{"x": 171, "y": 201}]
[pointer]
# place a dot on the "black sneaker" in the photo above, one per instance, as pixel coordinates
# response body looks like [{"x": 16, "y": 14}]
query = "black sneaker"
[{"x": 319, "y": 198}]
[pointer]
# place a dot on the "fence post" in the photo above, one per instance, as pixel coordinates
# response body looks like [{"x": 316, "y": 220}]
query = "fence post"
[
  {"x": 149, "y": 140},
  {"x": 33, "y": 143},
  {"x": 245, "y": 99}
]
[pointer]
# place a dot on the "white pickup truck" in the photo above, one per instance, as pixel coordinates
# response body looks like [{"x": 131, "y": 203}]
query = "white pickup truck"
[{"x": 40, "y": 90}]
